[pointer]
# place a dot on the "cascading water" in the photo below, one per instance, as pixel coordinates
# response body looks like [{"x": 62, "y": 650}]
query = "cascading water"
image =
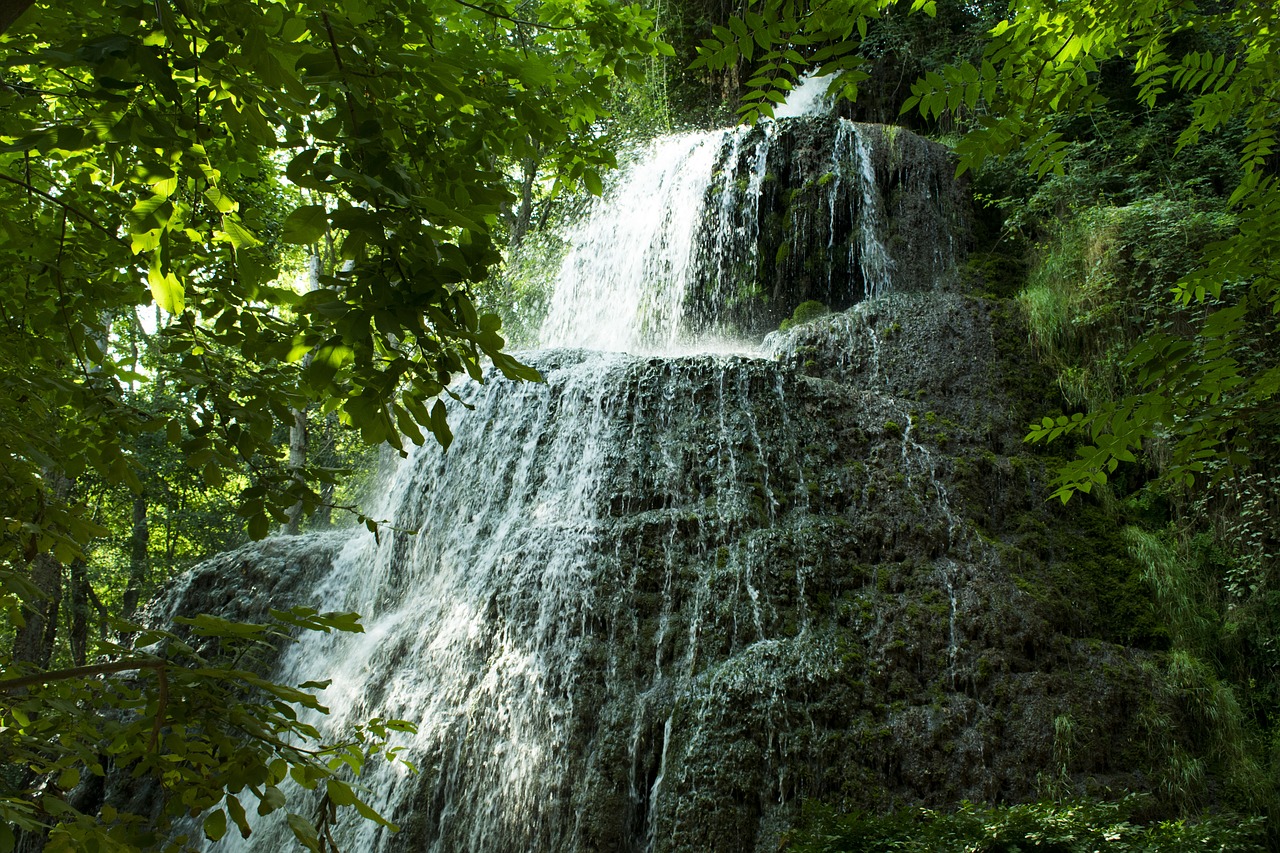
[
  {"x": 656, "y": 601},
  {"x": 623, "y": 282}
]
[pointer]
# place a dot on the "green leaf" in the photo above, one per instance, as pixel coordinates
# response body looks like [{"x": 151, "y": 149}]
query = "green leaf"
[
  {"x": 221, "y": 202},
  {"x": 328, "y": 360},
  {"x": 215, "y": 825},
  {"x": 304, "y": 831},
  {"x": 340, "y": 793},
  {"x": 305, "y": 225},
  {"x": 167, "y": 291},
  {"x": 272, "y": 799},
  {"x": 238, "y": 816},
  {"x": 259, "y": 526},
  {"x": 236, "y": 234},
  {"x": 405, "y": 422},
  {"x": 440, "y": 424}
]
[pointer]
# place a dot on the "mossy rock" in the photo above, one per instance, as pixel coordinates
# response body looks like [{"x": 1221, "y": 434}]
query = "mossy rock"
[
  {"x": 994, "y": 274},
  {"x": 805, "y": 311}
]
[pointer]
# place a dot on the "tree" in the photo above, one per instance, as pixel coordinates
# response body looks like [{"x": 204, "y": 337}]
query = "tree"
[
  {"x": 136, "y": 165},
  {"x": 155, "y": 153},
  {"x": 1203, "y": 395}
]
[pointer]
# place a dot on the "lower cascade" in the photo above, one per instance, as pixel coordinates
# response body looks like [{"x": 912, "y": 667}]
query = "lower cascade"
[{"x": 657, "y": 602}]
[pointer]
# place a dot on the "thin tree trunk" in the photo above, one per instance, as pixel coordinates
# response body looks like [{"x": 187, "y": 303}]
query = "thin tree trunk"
[
  {"x": 297, "y": 461},
  {"x": 298, "y": 432},
  {"x": 34, "y": 641},
  {"x": 103, "y": 615},
  {"x": 524, "y": 214},
  {"x": 139, "y": 560},
  {"x": 79, "y": 612},
  {"x": 324, "y": 513}
]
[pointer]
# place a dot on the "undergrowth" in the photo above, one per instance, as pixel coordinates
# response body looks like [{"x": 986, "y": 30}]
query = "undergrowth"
[
  {"x": 1083, "y": 826},
  {"x": 1101, "y": 280}
]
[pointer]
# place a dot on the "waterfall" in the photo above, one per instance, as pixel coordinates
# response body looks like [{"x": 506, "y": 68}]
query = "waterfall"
[
  {"x": 580, "y": 526},
  {"x": 808, "y": 98},
  {"x": 656, "y": 601}
]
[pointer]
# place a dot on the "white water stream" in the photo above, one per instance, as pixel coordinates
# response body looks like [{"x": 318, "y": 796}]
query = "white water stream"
[{"x": 630, "y": 261}]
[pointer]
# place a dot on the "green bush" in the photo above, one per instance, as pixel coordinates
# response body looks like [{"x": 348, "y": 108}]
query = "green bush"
[{"x": 1103, "y": 279}]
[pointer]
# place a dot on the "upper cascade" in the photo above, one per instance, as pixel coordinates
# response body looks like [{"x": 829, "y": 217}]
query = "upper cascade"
[
  {"x": 809, "y": 98},
  {"x": 719, "y": 235}
]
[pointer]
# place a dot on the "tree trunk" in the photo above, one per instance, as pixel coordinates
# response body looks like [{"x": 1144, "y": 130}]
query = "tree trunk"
[
  {"x": 297, "y": 460},
  {"x": 298, "y": 432},
  {"x": 11, "y": 10},
  {"x": 139, "y": 560},
  {"x": 324, "y": 513},
  {"x": 79, "y": 612},
  {"x": 524, "y": 214},
  {"x": 34, "y": 641}
]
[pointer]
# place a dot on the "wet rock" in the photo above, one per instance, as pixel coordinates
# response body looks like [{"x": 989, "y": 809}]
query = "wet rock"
[{"x": 655, "y": 604}]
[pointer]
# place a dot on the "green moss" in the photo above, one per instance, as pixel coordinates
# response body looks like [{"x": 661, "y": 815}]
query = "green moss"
[
  {"x": 994, "y": 274},
  {"x": 1031, "y": 385},
  {"x": 804, "y": 312},
  {"x": 1087, "y": 578}
]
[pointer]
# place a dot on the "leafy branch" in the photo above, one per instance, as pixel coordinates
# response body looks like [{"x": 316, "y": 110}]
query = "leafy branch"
[
  {"x": 64, "y": 205},
  {"x": 494, "y": 13}
]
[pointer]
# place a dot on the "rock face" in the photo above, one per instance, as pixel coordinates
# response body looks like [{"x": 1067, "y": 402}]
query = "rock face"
[
  {"x": 245, "y": 584},
  {"x": 656, "y": 603},
  {"x": 823, "y": 210}
]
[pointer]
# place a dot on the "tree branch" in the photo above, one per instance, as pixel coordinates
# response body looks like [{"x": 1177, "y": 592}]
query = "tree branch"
[
  {"x": 9, "y": 684},
  {"x": 519, "y": 21},
  {"x": 69, "y": 208},
  {"x": 337, "y": 57}
]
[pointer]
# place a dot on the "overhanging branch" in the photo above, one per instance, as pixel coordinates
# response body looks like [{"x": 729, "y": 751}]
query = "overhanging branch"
[
  {"x": 80, "y": 672},
  {"x": 70, "y": 208}
]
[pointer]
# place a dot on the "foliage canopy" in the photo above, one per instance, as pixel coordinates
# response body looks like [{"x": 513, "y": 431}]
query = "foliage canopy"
[
  {"x": 181, "y": 155},
  {"x": 142, "y": 148}
]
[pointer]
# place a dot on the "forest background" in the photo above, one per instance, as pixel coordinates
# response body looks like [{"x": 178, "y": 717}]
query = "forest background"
[{"x": 240, "y": 247}]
